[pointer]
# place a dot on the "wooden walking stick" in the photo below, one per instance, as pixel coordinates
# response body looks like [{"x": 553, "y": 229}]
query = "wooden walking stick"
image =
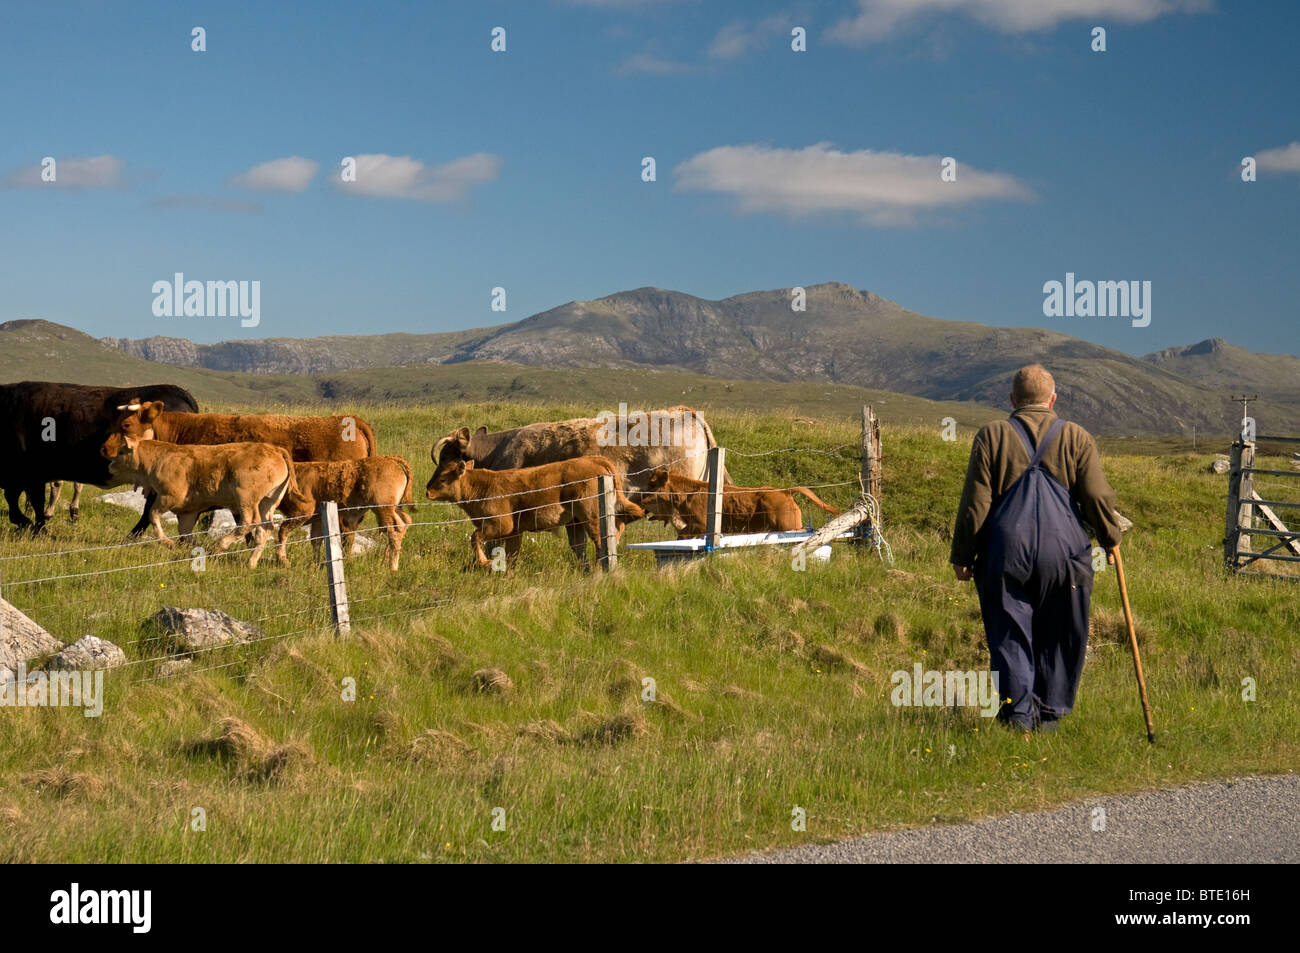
[{"x": 1133, "y": 644}]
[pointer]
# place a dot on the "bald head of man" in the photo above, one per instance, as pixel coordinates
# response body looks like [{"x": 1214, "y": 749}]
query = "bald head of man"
[{"x": 1033, "y": 385}]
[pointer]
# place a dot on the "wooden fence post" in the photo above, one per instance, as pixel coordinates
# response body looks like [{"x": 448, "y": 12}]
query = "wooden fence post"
[
  {"x": 870, "y": 473},
  {"x": 334, "y": 568},
  {"x": 608, "y": 524},
  {"x": 713, "y": 527}
]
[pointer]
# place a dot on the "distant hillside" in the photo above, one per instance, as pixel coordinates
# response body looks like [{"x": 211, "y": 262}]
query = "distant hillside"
[
  {"x": 845, "y": 336},
  {"x": 40, "y": 350},
  {"x": 299, "y": 355},
  {"x": 1217, "y": 363}
]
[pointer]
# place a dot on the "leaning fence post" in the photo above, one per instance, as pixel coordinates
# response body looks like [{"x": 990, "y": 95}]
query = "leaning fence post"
[
  {"x": 608, "y": 524},
  {"x": 334, "y": 568},
  {"x": 713, "y": 527}
]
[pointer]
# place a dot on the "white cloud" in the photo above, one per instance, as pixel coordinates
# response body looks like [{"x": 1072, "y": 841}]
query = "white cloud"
[
  {"x": 741, "y": 37},
  {"x": 292, "y": 174},
  {"x": 876, "y": 19},
  {"x": 1281, "y": 159},
  {"x": 647, "y": 63},
  {"x": 881, "y": 188},
  {"x": 406, "y": 178},
  {"x": 99, "y": 172}
]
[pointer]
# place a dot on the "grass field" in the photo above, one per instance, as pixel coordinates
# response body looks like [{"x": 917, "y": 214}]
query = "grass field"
[{"x": 772, "y": 685}]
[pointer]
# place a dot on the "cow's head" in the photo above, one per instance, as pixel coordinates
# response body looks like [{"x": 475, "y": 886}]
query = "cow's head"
[
  {"x": 445, "y": 484},
  {"x": 660, "y": 502},
  {"x": 454, "y": 446},
  {"x": 134, "y": 423}
]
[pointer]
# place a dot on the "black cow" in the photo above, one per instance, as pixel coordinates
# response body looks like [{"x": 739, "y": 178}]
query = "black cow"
[{"x": 51, "y": 432}]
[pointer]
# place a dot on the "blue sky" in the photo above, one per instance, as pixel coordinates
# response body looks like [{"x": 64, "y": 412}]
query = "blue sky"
[{"x": 775, "y": 168}]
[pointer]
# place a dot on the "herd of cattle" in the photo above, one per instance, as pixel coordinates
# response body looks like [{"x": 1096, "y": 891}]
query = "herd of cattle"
[{"x": 542, "y": 477}]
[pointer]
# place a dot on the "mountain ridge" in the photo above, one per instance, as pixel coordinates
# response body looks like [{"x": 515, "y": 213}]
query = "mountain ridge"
[{"x": 845, "y": 336}]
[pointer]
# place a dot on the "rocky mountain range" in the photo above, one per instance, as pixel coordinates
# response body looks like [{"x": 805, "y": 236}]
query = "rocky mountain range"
[{"x": 845, "y": 335}]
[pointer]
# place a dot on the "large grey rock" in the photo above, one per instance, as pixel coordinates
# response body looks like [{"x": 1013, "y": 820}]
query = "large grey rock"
[
  {"x": 21, "y": 639},
  {"x": 192, "y": 630},
  {"x": 1125, "y": 524},
  {"x": 1220, "y": 466},
  {"x": 88, "y": 653}
]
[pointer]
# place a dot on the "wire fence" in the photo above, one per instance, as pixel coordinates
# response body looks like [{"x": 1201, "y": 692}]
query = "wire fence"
[{"x": 113, "y": 589}]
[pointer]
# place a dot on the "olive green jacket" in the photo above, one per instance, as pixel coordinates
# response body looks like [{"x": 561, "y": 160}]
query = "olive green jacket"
[{"x": 997, "y": 460}]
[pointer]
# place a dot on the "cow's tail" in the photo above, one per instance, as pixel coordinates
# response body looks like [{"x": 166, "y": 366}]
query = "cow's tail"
[
  {"x": 290, "y": 485},
  {"x": 816, "y": 500},
  {"x": 622, "y": 505},
  {"x": 709, "y": 440},
  {"x": 406, "y": 502},
  {"x": 366, "y": 429}
]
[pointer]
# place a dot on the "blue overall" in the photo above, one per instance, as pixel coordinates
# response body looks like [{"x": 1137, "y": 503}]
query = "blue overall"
[{"x": 1033, "y": 573}]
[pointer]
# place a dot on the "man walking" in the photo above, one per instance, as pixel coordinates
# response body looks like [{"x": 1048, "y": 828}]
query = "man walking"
[{"x": 1032, "y": 482}]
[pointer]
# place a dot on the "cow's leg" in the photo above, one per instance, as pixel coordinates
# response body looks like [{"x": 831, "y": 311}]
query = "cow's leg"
[
  {"x": 16, "y": 516},
  {"x": 511, "y": 545},
  {"x": 394, "y": 529},
  {"x": 146, "y": 518},
  {"x": 265, "y": 528},
  {"x": 578, "y": 543},
  {"x": 237, "y": 532},
  {"x": 262, "y": 535},
  {"x": 56, "y": 490},
  {"x": 74, "y": 508},
  {"x": 317, "y": 534},
  {"x": 351, "y": 523},
  {"x": 185, "y": 527},
  {"x": 476, "y": 544},
  {"x": 282, "y": 544},
  {"x": 36, "y": 496},
  {"x": 155, "y": 518}
]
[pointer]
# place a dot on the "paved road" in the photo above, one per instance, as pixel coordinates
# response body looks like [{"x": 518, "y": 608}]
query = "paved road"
[{"x": 1248, "y": 820}]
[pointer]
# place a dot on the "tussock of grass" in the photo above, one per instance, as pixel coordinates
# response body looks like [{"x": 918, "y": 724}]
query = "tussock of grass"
[
  {"x": 440, "y": 747},
  {"x": 249, "y": 755},
  {"x": 59, "y": 784},
  {"x": 491, "y": 681}
]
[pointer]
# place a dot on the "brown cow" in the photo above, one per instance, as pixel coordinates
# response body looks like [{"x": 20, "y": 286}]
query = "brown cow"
[
  {"x": 505, "y": 504},
  {"x": 249, "y": 479},
  {"x": 306, "y": 438},
  {"x": 382, "y": 484},
  {"x": 685, "y": 503}
]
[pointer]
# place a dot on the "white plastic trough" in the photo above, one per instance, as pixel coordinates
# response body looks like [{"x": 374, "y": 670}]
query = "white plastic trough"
[{"x": 672, "y": 550}]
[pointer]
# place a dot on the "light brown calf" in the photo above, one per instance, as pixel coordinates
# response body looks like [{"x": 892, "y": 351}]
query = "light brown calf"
[
  {"x": 249, "y": 479},
  {"x": 505, "y": 504},
  {"x": 381, "y": 484},
  {"x": 685, "y": 504}
]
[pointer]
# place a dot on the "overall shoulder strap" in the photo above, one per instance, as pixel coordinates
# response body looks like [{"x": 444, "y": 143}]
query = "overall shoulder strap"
[
  {"x": 1037, "y": 456},
  {"x": 1018, "y": 426}
]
